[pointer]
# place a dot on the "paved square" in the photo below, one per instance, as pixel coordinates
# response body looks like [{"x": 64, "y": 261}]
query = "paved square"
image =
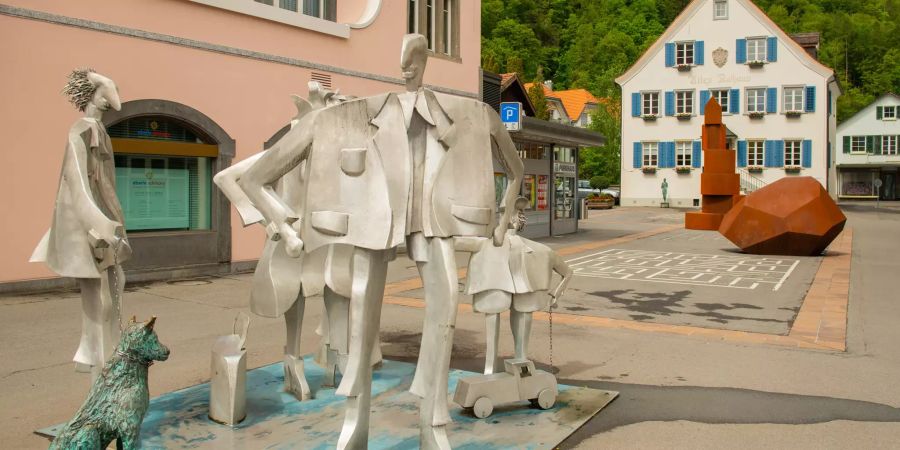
[{"x": 736, "y": 272}]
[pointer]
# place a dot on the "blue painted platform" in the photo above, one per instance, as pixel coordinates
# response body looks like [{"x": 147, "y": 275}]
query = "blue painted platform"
[{"x": 276, "y": 420}]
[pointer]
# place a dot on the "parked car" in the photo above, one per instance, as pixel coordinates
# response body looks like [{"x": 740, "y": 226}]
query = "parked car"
[
  {"x": 614, "y": 191},
  {"x": 585, "y": 189}
]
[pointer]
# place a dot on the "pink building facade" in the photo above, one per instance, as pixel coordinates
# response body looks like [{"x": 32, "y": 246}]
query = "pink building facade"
[{"x": 204, "y": 83}]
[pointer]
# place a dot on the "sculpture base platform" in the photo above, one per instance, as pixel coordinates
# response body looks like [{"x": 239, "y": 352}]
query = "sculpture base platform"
[
  {"x": 276, "y": 420},
  {"x": 696, "y": 220},
  {"x": 664, "y": 205}
]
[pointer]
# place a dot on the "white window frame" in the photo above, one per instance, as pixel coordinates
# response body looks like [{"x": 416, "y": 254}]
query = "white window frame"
[
  {"x": 684, "y": 49},
  {"x": 884, "y": 113},
  {"x": 793, "y": 152},
  {"x": 412, "y": 9},
  {"x": 649, "y": 154},
  {"x": 271, "y": 12},
  {"x": 756, "y": 49},
  {"x": 751, "y": 106},
  {"x": 684, "y": 152},
  {"x": 725, "y": 105},
  {"x": 716, "y": 10},
  {"x": 447, "y": 18},
  {"x": 684, "y": 102},
  {"x": 858, "y": 145},
  {"x": 431, "y": 24},
  {"x": 756, "y": 152},
  {"x": 799, "y": 103},
  {"x": 653, "y": 103},
  {"x": 889, "y": 145}
]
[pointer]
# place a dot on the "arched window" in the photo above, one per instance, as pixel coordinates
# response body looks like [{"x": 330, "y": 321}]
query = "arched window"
[{"x": 164, "y": 169}]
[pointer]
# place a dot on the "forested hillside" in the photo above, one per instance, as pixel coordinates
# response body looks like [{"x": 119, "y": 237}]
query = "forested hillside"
[{"x": 588, "y": 43}]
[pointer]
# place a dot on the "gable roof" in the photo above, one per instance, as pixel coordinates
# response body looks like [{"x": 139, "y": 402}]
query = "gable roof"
[
  {"x": 867, "y": 109},
  {"x": 574, "y": 101},
  {"x": 519, "y": 92},
  {"x": 688, "y": 13}
]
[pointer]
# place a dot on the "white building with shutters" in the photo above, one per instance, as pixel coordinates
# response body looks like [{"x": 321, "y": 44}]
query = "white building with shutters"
[
  {"x": 870, "y": 152},
  {"x": 778, "y": 103}
]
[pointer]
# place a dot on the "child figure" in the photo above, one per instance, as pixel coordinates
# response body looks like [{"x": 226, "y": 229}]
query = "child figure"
[{"x": 516, "y": 277}]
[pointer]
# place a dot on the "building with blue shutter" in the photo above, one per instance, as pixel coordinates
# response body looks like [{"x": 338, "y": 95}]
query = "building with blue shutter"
[
  {"x": 777, "y": 101},
  {"x": 868, "y": 150}
]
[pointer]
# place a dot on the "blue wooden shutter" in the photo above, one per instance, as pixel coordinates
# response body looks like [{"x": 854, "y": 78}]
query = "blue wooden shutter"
[
  {"x": 704, "y": 97},
  {"x": 670, "y": 54},
  {"x": 779, "y": 153},
  {"x": 772, "y": 100},
  {"x": 740, "y": 51},
  {"x": 810, "y": 99},
  {"x": 638, "y": 157},
  {"x": 806, "y": 155},
  {"x": 742, "y": 153},
  {"x": 697, "y": 155},
  {"x": 772, "y": 49},
  {"x": 670, "y": 103},
  {"x": 879, "y": 112},
  {"x": 670, "y": 154},
  {"x": 698, "y": 53},
  {"x": 734, "y": 97},
  {"x": 769, "y": 157},
  {"x": 847, "y": 140},
  {"x": 636, "y": 104}
]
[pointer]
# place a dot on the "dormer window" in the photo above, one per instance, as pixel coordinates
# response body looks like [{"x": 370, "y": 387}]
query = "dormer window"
[
  {"x": 720, "y": 9},
  {"x": 684, "y": 53}
]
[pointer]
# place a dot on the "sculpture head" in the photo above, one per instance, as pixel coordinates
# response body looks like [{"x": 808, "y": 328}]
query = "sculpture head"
[
  {"x": 413, "y": 58},
  {"x": 518, "y": 220},
  {"x": 139, "y": 343},
  {"x": 89, "y": 91}
]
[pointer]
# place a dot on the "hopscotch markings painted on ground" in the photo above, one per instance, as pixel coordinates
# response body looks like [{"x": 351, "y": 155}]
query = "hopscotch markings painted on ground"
[{"x": 736, "y": 272}]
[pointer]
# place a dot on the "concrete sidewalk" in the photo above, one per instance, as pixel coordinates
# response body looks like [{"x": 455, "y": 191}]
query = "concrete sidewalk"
[{"x": 696, "y": 391}]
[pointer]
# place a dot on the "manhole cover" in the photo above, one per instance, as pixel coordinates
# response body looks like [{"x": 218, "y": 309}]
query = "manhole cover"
[{"x": 188, "y": 282}]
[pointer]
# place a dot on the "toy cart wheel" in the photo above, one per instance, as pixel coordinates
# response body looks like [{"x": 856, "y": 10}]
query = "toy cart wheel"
[
  {"x": 545, "y": 399},
  {"x": 483, "y": 407}
]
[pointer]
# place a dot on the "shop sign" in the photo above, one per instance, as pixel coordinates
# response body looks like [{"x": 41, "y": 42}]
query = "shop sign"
[
  {"x": 564, "y": 168},
  {"x": 153, "y": 199}
]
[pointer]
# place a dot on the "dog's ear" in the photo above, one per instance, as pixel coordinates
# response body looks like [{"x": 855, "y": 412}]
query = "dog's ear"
[{"x": 150, "y": 323}]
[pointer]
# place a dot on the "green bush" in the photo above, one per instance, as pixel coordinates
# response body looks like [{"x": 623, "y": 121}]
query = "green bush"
[{"x": 600, "y": 182}]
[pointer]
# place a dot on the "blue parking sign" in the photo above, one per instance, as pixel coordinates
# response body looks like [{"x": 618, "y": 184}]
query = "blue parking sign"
[{"x": 511, "y": 115}]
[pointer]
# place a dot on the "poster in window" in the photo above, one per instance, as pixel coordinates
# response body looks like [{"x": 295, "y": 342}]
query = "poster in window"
[
  {"x": 529, "y": 190},
  {"x": 499, "y": 187},
  {"x": 153, "y": 199},
  {"x": 541, "y": 194}
]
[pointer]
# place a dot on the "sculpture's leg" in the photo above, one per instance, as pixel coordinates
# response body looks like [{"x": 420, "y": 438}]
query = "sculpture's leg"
[
  {"x": 520, "y": 323},
  {"x": 430, "y": 382},
  {"x": 100, "y": 309},
  {"x": 367, "y": 291},
  {"x": 337, "y": 312},
  {"x": 492, "y": 338},
  {"x": 294, "y": 371}
]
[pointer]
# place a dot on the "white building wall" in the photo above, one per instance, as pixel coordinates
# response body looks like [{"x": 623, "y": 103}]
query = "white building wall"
[
  {"x": 639, "y": 189},
  {"x": 866, "y": 123}
]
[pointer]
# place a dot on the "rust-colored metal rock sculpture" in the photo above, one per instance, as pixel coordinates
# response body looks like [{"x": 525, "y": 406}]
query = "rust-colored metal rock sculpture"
[{"x": 793, "y": 216}]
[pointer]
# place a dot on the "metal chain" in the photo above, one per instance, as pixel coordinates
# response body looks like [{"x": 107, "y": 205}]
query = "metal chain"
[
  {"x": 551, "y": 338},
  {"x": 117, "y": 302}
]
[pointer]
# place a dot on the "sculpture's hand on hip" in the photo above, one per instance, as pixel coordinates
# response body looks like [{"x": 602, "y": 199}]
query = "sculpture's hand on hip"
[{"x": 293, "y": 245}]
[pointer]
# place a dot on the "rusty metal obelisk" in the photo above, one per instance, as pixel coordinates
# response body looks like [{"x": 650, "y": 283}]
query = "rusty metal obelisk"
[{"x": 720, "y": 186}]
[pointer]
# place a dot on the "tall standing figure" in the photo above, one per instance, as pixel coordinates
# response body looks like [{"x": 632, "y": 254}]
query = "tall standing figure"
[
  {"x": 87, "y": 238},
  {"x": 413, "y": 167}
]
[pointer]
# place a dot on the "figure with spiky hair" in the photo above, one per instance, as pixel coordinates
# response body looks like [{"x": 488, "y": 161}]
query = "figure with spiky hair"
[{"x": 87, "y": 239}]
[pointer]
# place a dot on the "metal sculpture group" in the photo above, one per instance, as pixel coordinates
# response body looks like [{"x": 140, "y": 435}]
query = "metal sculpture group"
[
  {"x": 793, "y": 216},
  {"x": 353, "y": 179}
]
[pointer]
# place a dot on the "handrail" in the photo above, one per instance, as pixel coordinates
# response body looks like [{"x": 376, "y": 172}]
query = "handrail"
[{"x": 750, "y": 183}]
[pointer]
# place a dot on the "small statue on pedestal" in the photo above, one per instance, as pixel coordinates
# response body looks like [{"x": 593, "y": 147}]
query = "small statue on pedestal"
[
  {"x": 665, "y": 194},
  {"x": 87, "y": 239}
]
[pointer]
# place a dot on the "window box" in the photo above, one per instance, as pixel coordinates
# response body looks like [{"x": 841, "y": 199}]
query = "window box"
[
  {"x": 684, "y": 116},
  {"x": 649, "y": 169},
  {"x": 649, "y": 117},
  {"x": 684, "y": 67},
  {"x": 756, "y": 114},
  {"x": 792, "y": 169},
  {"x": 683, "y": 169},
  {"x": 793, "y": 113},
  {"x": 756, "y": 64},
  {"x": 755, "y": 169}
]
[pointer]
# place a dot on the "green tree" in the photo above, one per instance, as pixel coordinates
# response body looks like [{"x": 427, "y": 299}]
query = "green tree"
[{"x": 537, "y": 97}]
